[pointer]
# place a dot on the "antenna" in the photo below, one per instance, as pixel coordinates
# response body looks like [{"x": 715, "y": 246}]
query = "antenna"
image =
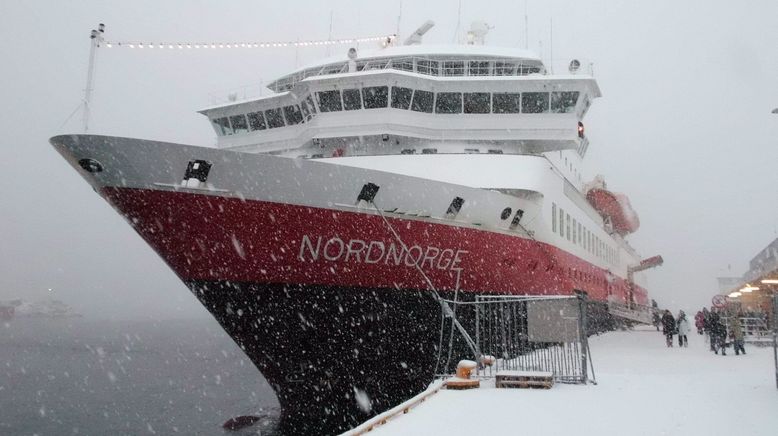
[
  {"x": 96, "y": 38},
  {"x": 459, "y": 22},
  {"x": 399, "y": 19},
  {"x": 526, "y": 27},
  {"x": 330, "y": 36},
  {"x": 551, "y": 46}
]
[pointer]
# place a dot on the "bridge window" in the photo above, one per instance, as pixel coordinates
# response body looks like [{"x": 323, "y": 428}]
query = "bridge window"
[
  {"x": 534, "y": 102},
  {"x": 405, "y": 64},
  {"x": 507, "y": 103},
  {"x": 401, "y": 97},
  {"x": 454, "y": 68},
  {"x": 477, "y": 102},
  {"x": 479, "y": 68},
  {"x": 352, "y": 100},
  {"x": 311, "y": 106},
  {"x": 256, "y": 121},
  {"x": 274, "y": 118},
  {"x": 293, "y": 114},
  {"x": 422, "y": 101},
  {"x": 222, "y": 126},
  {"x": 563, "y": 102},
  {"x": 504, "y": 68},
  {"x": 329, "y": 101},
  {"x": 449, "y": 103},
  {"x": 427, "y": 67},
  {"x": 239, "y": 124},
  {"x": 375, "y": 97}
]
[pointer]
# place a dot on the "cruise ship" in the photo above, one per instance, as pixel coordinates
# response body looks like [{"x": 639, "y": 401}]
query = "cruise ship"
[{"x": 331, "y": 212}]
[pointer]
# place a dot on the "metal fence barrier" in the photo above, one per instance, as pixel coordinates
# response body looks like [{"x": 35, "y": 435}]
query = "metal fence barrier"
[
  {"x": 755, "y": 329},
  {"x": 531, "y": 333}
]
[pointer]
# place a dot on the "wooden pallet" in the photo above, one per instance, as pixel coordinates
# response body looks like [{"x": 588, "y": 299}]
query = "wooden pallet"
[
  {"x": 461, "y": 384},
  {"x": 524, "y": 379}
]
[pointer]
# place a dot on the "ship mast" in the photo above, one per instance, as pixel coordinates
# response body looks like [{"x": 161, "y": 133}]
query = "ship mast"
[{"x": 96, "y": 38}]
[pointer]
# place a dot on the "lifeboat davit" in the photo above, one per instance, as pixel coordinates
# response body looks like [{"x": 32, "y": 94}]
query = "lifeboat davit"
[{"x": 613, "y": 207}]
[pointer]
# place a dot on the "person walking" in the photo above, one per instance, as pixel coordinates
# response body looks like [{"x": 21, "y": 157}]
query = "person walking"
[
  {"x": 668, "y": 327},
  {"x": 683, "y": 328},
  {"x": 699, "y": 323},
  {"x": 706, "y": 327},
  {"x": 736, "y": 332},
  {"x": 718, "y": 334}
]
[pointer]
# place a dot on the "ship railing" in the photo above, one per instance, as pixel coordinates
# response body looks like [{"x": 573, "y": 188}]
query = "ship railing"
[
  {"x": 632, "y": 312},
  {"x": 755, "y": 328},
  {"x": 529, "y": 333},
  {"x": 426, "y": 65}
]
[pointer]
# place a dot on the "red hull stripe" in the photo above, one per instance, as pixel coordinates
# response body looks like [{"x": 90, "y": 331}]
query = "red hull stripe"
[{"x": 205, "y": 237}]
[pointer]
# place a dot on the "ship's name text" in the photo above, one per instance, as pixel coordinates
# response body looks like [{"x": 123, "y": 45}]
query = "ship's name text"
[{"x": 336, "y": 249}]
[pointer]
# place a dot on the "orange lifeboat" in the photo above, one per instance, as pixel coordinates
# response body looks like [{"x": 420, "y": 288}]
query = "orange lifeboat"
[{"x": 613, "y": 207}]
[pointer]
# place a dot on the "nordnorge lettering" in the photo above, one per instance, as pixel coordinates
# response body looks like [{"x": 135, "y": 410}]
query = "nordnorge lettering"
[{"x": 335, "y": 249}]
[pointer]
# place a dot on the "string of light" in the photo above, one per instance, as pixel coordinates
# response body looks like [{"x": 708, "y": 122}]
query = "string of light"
[{"x": 233, "y": 45}]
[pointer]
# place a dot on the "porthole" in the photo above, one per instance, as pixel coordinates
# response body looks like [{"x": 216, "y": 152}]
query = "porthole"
[
  {"x": 91, "y": 165},
  {"x": 506, "y": 213}
]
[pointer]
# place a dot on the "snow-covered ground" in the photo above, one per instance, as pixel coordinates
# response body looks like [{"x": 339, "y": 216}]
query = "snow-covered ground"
[{"x": 644, "y": 388}]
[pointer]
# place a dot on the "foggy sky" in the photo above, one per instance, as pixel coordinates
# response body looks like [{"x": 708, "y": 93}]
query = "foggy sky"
[{"x": 684, "y": 125}]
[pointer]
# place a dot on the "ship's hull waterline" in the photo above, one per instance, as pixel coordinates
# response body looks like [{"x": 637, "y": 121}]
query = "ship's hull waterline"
[{"x": 323, "y": 296}]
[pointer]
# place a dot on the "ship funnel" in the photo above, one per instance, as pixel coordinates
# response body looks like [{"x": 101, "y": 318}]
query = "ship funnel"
[{"x": 415, "y": 37}]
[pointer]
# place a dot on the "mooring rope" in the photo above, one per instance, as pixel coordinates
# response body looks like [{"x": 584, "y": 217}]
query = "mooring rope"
[{"x": 435, "y": 294}]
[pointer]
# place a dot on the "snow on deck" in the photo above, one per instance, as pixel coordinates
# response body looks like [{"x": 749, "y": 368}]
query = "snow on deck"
[{"x": 644, "y": 388}]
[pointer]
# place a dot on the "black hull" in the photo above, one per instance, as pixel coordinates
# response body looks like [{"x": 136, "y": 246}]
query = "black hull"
[{"x": 335, "y": 356}]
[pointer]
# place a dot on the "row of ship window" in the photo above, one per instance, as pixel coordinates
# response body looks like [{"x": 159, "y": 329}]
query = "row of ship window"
[
  {"x": 451, "y": 67},
  {"x": 377, "y": 97},
  {"x": 268, "y": 119},
  {"x": 447, "y": 102},
  {"x": 574, "y": 231}
]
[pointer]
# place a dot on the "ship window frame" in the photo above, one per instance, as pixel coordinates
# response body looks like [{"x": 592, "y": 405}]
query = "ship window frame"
[
  {"x": 328, "y": 102},
  {"x": 580, "y": 235},
  {"x": 563, "y": 102},
  {"x": 453, "y": 68},
  {"x": 567, "y": 226},
  {"x": 311, "y": 105},
  {"x": 504, "y": 68},
  {"x": 277, "y": 114},
  {"x": 400, "y": 101},
  {"x": 293, "y": 114},
  {"x": 507, "y": 102},
  {"x": 260, "y": 125},
  {"x": 470, "y": 102},
  {"x": 403, "y": 64},
  {"x": 530, "y": 100},
  {"x": 222, "y": 125},
  {"x": 575, "y": 234},
  {"x": 420, "y": 99},
  {"x": 239, "y": 130},
  {"x": 429, "y": 67},
  {"x": 369, "y": 101},
  {"x": 553, "y": 218},
  {"x": 438, "y": 105},
  {"x": 348, "y": 102},
  {"x": 478, "y": 68},
  {"x": 561, "y": 222}
]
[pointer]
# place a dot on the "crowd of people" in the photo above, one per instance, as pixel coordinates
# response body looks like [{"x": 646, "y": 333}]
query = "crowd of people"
[{"x": 710, "y": 323}]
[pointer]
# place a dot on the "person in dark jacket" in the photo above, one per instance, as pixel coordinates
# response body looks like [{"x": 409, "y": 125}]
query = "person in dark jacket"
[
  {"x": 668, "y": 327},
  {"x": 699, "y": 319},
  {"x": 718, "y": 334}
]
